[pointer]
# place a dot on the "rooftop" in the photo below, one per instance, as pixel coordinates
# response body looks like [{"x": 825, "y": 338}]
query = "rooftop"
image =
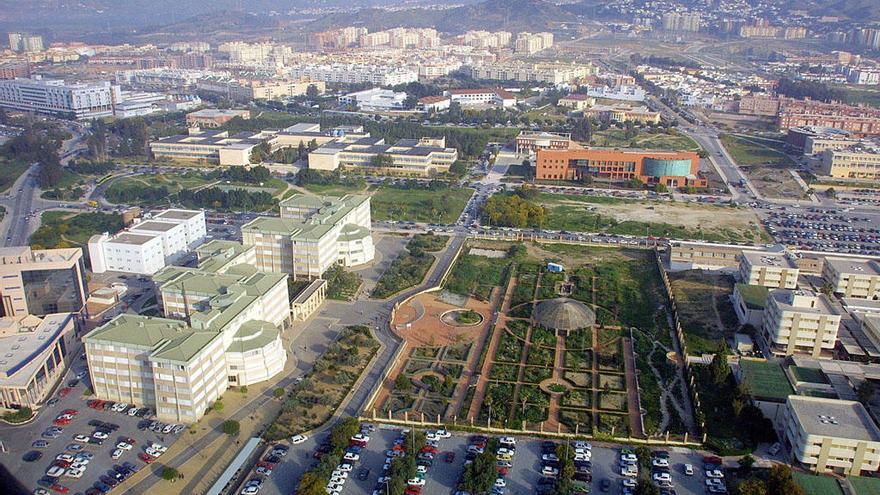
[
  {"x": 155, "y": 226},
  {"x": 133, "y": 239},
  {"x": 834, "y": 418},
  {"x": 755, "y": 296},
  {"x": 801, "y": 301},
  {"x": 766, "y": 379},
  {"x": 23, "y": 339},
  {"x": 765, "y": 259},
  {"x": 564, "y": 314},
  {"x": 176, "y": 214}
]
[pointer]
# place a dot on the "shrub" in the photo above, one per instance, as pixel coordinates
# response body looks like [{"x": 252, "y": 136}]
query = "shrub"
[{"x": 231, "y": 427}]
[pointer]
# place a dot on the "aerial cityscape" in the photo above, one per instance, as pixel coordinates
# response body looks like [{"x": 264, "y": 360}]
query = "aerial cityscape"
[{"x": 440, "y": 247}]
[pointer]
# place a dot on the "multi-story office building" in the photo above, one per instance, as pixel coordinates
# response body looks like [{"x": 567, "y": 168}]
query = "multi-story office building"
[
  {"x": 55, "y": 97},
  {"x": 853, "y": 162},
  {"x": 799, "y": 322},
  {"x": 40, "y": 282},
  {"x": 231, "y": 336},
  {"x": 36, "y": 352},
  {"x": 623, "y": 92},
  {"x": 688, "y": 255},
  {"x": 814, "y": 140},
  {"x": 212, "y": 117},
  {"x": 772, "y": 270},
  {"x": 830, "y": 435},
  {"x": 24, "y": 42},
  {"x": 423, "y": 156},
  {"x": 313, "y": 234},
  {"x": 654, "y": 167},
  {"x": 533, "y": 141},
  {"x": 853, "y": 278},
  {"x": 218, "y": 147},
  {"x": 148, "y": 246},
  {"x": 356, "y": 74},
  {"x": 622, "y": 113}
]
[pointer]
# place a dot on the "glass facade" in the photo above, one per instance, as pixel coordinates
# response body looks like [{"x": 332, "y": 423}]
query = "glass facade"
[
  {"x": 667, "y": 168},
  {"x": 54, "y": 291}
]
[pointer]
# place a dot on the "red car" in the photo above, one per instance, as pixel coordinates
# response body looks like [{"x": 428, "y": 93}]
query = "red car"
[
  {"x": 61, "y": 422},
  {"x": 359, "y": 443},
  {"x": 60, "y": 488},
  {"x": 144, "y": 457},
  {"x": 64, "y": 391},
  {"x": 450, "y": 457},
  {"x": 94, "y": 403},
  {"x": 430, "y": 449},
  {"x": 72, "y": 412},
  {"x": 413, "y": 490},
  {"x": 128, "y": 440},
  {"x": 502, "y": 470}
]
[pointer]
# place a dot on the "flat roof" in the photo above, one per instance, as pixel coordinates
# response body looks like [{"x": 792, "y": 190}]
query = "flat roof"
[
  {"x": 766, "y": 259},
  {"x": 834, "y": 418},
  {"x": 307, "y": 292},
  {"x": 848, "y": 265},
  {"x": 178, "y": 214},
  {"x": 133, "y": 239},
  {"x": 217, "y": 112},
  {"x": 755, "y": 296},
  {"x": 22, "y": 340},
  {"x": 785, "y": 300},
  {"x": 155, "y": 226},
  {"x": 766, "y": 379}
]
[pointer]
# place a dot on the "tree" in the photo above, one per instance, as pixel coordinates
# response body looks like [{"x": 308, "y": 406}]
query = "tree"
[
  {"x": 382, "y": 160},
  {"x": 831, "y": 193},
  {"x": 865, "y": 391},
  {"x": 311, "y": 483},
  {"x": 661, "y": 188},
  {"x": 231, "y": 427},
  {"x": 781, "y": 481},
  {"x": 746, "y": 463},
  {"x": 645, "y": 487},
  {"x": 169, "y": 473},
  {"x": 751, "y": 487},
  {"x": 718, "y": 367},
  {"x": 218, "y": 406},
  {"x": 458, "y": 168},
  {"x": 402, "y": 383},
  {"x": 312, "y": 92},
  {"x": 278, "y": 393}
]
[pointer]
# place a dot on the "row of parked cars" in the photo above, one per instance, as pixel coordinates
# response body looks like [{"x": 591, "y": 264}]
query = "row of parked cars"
[
  {"x": 263, "y": 469},
  {"x": 581, "y": 454},
  {"x": 350, "y": 457}
]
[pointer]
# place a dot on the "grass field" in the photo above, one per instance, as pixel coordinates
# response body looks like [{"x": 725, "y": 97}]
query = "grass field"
[
  {"x": 817, "y": 485},
  {"x": 615, "y": 138},
  {"x": 864, "y": 486},
  {"x": 174, "y": 182},
  {"x": 754, "y": 151},
  {"x": 11, "y": 171},
  {"x": 704, "y": 308},
  {"x": 634, "y": 217},
  {"x": 419, "y": 205},
  {"x": 765, "y": 379}
]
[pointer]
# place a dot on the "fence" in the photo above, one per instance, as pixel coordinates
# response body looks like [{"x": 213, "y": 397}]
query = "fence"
[{"x": 682, "y": 345}]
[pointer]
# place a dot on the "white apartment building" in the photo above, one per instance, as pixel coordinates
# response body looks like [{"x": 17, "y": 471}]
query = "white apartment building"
[
  {"x": 529, "y": 43},
  {"x": 425, "y": 156},
  {"x": 375, "y": 100},
  {"x": 481, "y": 97},
  {"x": 79, "y": 101},
  {"x": 853, "y": 278},
  {"x": 233, "y": 338},
  {"x": 356, "y": 74},
  {"x": 148, "y": 246},
  {"x": 312, "y": 234},
  {"x": 799, "y": 321},
  {"x": 773, "y": 270},
  {"x": 830, "y": 435},
  {"x": 622, "y": 92},
  {"x": 551, "y": 73}
]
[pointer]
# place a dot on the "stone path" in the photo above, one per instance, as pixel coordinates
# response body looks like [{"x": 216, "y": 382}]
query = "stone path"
[{"x": 632, "y": 390}]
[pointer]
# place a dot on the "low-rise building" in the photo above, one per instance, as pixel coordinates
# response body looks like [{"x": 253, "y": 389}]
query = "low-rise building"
[
  {"x": 853, "y": 278},
  {"x": 218, "y": 147},
  {"x": 147, "y": 246},
  {"x": 375, "y": 100},
  {"x": 36, "y": 353},
  {"x": 532, "y": 141},
  {"x": 308, "y": 300},
  {"x": 430, "y": 104},
  {"x": 671, "y": 168},
  {"x": 853, "y": 162},
  {"x": 799, "y": 322},
  {"x": 773, "y": 270},
  {"x": 481, "y": 97},
  {"x": 749, "y": 302},
  {"x": 228, "y": 334},
  {"x": 312, "y": 234},
  {"x": 576, "y": 101},
  {"x": 830, "y": 435},
  {"x": 622, "y": 113},
  {"x": 425, "y": 156},
  {"x": 213, "y": 117}
]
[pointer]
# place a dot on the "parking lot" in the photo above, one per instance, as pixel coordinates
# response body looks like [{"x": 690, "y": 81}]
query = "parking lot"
[
  {"x": 30, "y": 472},
  {"x": 442, "y": 477},
  {"x": 822, "y": 229}
]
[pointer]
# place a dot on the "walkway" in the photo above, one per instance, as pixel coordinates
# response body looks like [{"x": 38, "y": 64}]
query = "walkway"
[{"x": 632, "y": 390}]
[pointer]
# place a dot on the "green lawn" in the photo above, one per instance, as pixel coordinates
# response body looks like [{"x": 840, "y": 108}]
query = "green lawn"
[
  {"x": 419, "y": 205},
  {"x": 864, "y": 486},
  {"x": 11, "y": 171},
  {"x": 334, "y": 189},
  {"x": 61, "y": 229},
  {"x": 616, "y": 138},
  {"x": 754, "y": 151},
  {"x": 817, "y": 485}
]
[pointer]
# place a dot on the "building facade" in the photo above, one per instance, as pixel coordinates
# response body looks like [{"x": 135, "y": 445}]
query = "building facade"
[
  {"x": 853, "y": 162},
  {"x": 772, "y": 270},
  {"x": 853, "y": 278},
  {"x": 212, "y": 117},
  {"x": 674, "y": 169},
  {"x": 799, "y": 322},
  {"x": 40, "y": 282},
  {"x": 55, "y": 97}
]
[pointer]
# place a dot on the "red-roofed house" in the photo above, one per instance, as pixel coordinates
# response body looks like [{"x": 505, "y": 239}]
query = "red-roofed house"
[
  {"x": 433, "y": 103},
  {"x": 483, "y": 96}
]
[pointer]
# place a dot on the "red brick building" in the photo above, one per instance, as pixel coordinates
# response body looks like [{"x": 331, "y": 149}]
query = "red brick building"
[{"x": 672, "y": 168}]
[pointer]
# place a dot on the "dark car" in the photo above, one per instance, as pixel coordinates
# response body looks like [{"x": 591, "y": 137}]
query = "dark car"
[
  {"x": 449, "y": 458},
  {"x": 103, "y": 487},
  {"x": 32, "y": 456},
  {"x": 93, "y": 491},
  {"x": 108, "y": 480},
  {"x": 73, "y": 383},
  {"x": 274, "y": 459},
  {"x": 116, "y": 474},
  {"x": 363, "y": 474},
  {"x": 605, "y": 485},
  {"x": 131, "y": 467}
]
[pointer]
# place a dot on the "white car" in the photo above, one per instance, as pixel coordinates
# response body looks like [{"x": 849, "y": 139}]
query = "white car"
[
  {"x": 415, "y": 482},
  {"x": 133, "y": 411},
  {"x": 117, "y": 454},
  {"x": 628, "y": 483},
  {"x": 507, "y": 441},
  {"x": 421, "y": 469},
  {"x": 549, "y": 471},
  {"x": 503, "y": 451},
  {"x": 159, "y": 447},
  {"x": 689, "y": 469},
  {"x": 345, "y": 467},
  {"x": 152, "y": 452},
  {"x": 337, "y": 480},
  {"x": 250, "y": 490},
  {"x": 81, "y": 438},
  {"x": 583, "y": 451},
  {"x": 659, "y": 477},
  {"x": 629, "y": 458},
  {"x": 714, "y": 473},
  {"x": 55, "y": 471},
  {"x": 64, "y": 457},
  {"x": 714, "y": 482},
  {"x": 351, "y": 456},
  {"x": 339, "y": 474},
  {"x": 100, "y": 435},
  {"x": 581, "y": 457},
  {"x": 123, "y": 446},
  {"x": 660, "y": 462},
  {"x": 583, "y": 445},
  {"x": 360, "y": 437},
  {"x": 550, "y": 457},
  {"x": 499, "y": 483},
  {"x": 74, "y": 473},
  {"x": 298, "y": 439},
  {"x": 630, "y": 471},
  {"x": 442, "y": 433}
]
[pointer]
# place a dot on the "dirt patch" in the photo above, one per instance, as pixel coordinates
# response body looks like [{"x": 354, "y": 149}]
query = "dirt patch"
[{"x": 420, "y": 321}]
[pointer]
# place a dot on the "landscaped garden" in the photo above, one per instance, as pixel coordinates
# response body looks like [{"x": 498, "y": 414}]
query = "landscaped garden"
[
  {"x": 410, "y": 267},
  {"x": 312, "y": 401}
]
